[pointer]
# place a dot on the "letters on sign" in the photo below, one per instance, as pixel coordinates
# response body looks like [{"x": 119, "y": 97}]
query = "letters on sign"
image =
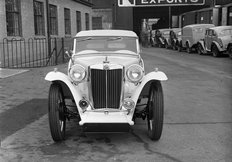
[{"x": 139, "y": 3}]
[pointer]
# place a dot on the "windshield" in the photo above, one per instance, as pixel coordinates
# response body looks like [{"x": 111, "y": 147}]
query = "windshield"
[
  {"x": 105, "y": 44},
  {"x": 225, "y": 32}
]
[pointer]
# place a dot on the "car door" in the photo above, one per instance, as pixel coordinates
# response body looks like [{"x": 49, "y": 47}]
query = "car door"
[
  {"x": 214, "y": 37},
  {"x": 208, "y": 39}
]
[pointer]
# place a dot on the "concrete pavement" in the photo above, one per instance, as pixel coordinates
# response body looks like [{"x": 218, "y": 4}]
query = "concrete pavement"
[{"x": 197, "y": 117}]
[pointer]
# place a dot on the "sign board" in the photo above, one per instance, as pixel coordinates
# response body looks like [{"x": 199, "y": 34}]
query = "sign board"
[{"x": 149, "y": 3}]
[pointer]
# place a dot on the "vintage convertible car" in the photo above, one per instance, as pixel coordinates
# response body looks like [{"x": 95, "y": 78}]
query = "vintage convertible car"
[{"x": 106, "y": 86}]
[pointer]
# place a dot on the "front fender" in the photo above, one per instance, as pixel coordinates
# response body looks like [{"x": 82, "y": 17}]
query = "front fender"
[
  {"x": 144, "y": 86},
  {"x": 201, "y": 42},
  {"x": 218, "y": 46},
  {"x": 58, "y": 76},
  {"x": 161, "y": 40},
  {"x": 152, "y": 76}
]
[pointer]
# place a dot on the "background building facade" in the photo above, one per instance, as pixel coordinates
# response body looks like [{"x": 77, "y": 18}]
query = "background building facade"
[
  {"x": 36, "y": 33},
  {"x": 131, "y": 17},
  {"x": 29, "y": 18}
]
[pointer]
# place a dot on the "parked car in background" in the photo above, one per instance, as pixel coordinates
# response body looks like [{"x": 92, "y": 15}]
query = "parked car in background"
[
  {"x": 106, "y": 86},
  {"x": 192, "y": 34},
  {"x": 218, "y": 40},
  {"x": 160, "y": 37},
  {"x": 174, "y": 38}
]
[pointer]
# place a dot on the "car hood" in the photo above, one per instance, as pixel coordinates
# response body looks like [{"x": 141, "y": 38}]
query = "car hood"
[
  {"x": 124, "y": 60},
  {"x": 226, "y": 39}
]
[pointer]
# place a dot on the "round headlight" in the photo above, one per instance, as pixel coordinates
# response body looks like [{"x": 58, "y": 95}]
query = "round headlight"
[
  {"x": 135, "y": 73},
  {"x": 77, "y": 73}
]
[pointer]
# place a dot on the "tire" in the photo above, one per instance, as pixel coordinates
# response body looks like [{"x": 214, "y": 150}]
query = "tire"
[
  {"x": 188, "y": 48},
  {"x": 56, "y": 113},
  {"x": 215, "y": 51},
  {"x": 174, "y": 46},
  {"x": 199, "y": 49},
  {"x": 230, "y": 51},
  {"x": 166, "y": 45},
  {"x": 179, "y": 48},
  {"x": 155, "y": 112}
]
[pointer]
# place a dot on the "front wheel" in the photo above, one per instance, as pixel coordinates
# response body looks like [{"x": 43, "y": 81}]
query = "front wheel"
[
  {"x": 56, "y": 113},
  {"x": 215, "y": 51},
  {"x": 174, "y": 46},
  {"x": 179, "y": 48},
  {"x": 200, "y": 50},
  {"x": 155, "y": 112},
  {"x": 230, "y": 51},
  {"x": 188, "y": 48},
  {"x": 166, "y": 45}
]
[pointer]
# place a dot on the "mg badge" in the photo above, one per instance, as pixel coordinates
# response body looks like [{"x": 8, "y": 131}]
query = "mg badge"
[{"x": 106, "y": 67}]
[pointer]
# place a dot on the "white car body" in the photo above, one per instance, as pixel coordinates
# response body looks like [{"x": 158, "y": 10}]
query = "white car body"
[{"x": 105, "y": 60}]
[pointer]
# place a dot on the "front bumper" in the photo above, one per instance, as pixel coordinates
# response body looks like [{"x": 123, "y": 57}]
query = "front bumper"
[{"x": 106, "y": 117}]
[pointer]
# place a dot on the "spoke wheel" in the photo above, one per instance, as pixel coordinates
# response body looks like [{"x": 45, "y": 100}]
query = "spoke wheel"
[
  {"x": 230, "y": 51},
  {"x": 155, "y": 111},
  {"x": 215, "y": 51},
  {"x": 56, "y": 113}
]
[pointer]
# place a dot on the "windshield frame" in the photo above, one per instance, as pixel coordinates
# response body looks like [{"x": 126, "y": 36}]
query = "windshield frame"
[{"x": 114, "y": 38}]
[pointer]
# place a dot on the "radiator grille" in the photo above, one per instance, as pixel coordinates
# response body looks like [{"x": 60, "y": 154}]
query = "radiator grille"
[{"x": 106, "y": 88}]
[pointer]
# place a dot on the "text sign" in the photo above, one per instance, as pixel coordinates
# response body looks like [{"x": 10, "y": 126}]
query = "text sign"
[{"x": 143, "y": 3}]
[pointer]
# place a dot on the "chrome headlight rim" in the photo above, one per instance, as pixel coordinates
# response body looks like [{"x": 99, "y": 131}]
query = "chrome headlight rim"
[
  {"x": 140, "y": 70},
  {"x": 77, "y": 69}
]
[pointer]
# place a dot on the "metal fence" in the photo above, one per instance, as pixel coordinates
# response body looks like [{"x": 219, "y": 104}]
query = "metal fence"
[{"x": 33, "y": 52}]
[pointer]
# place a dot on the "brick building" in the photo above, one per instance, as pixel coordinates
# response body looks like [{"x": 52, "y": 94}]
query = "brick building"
[
  {"x": 33, "y": 31},
  {"x": 28, "y": 18}
]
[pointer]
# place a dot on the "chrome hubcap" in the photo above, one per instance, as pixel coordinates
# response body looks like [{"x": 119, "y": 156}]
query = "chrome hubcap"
[
  {"x": 61, "y": 121},
  {"x": 61, "y": 125}
]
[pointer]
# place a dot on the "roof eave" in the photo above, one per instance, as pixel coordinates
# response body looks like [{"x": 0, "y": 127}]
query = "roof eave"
[{"x": 84, "y": 3}]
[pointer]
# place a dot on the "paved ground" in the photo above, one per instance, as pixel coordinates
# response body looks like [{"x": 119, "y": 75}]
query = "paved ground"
[{"x": 198, "y": 117}]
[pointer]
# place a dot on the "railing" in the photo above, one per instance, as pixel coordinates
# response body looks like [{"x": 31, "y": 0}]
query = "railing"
[{"x": 33, "y": 52}]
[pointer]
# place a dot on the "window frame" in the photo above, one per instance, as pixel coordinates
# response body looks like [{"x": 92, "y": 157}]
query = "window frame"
[
  {"x": 39, "y": 21},
  {"x": 78, "y": 21},
  {"x": 95, "y": 19},
  {"x": 87, "y": 19},
  {"x": 16, "y": 23},
  {"x": 67, "y": 21},
  {"x": 53, "y": 20}
]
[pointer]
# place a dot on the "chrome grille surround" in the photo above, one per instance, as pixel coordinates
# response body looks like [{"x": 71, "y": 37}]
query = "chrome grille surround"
[{"x": 106, "y": 85}]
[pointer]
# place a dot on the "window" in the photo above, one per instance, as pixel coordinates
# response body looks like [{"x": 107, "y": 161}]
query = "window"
[
  {"x": 78, "y": 20},
  {"x": 53, "y": 20},
  {"x": 39, "y": 18},
  {"x": 210, "y": 32},
  {"x": 87, "y": 21},
  {"x": 67, "y": 21},
  {"x": 97, "y": 22},
  {"x": 229, "y": 20},
  {"x": 13, "y": 18}
]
